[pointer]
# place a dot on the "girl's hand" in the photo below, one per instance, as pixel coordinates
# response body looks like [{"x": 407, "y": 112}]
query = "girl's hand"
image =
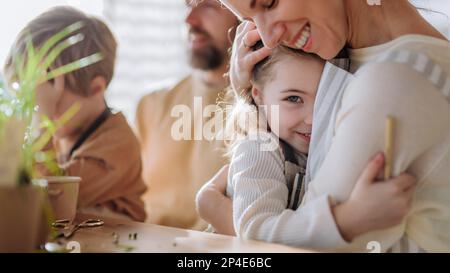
[
  {"x": 214, "y": 206},
  {"x": 375, "y": 205},
  {"x": 243, "y": 59}
]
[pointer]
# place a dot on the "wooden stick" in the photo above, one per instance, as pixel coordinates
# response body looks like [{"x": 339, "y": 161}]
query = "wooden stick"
[{"x": 389, "y": 147}]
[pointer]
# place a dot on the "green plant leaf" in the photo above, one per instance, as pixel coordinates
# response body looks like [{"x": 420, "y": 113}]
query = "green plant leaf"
[
  {"x": 30, "y": 68},
  {"x": 84, "y": 62},
  {"x": 58, "y": 37},
  {"x": 51, "y": 128},
  {"x": 58, "y": 49}
]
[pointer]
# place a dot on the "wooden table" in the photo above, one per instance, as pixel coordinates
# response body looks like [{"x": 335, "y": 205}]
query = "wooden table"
[{"x": 114, "y": 236}]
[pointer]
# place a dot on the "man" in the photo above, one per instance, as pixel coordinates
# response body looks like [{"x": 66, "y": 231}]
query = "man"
[{"x": 175, "y": 169}]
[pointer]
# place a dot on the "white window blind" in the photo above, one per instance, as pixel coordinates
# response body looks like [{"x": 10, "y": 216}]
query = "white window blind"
[{"x": 151, "y": 48}]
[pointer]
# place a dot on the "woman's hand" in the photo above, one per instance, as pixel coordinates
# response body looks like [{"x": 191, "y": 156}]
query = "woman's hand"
[
  {"x": 214, "y": 206},
  {"x": 375, "y": 205},
  {"x": 243, "y": 58}
]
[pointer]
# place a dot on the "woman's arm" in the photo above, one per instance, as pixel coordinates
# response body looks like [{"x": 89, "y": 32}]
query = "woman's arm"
[
  {"x": 260, "y": 201},
  {"x": 381, "y": 90}
]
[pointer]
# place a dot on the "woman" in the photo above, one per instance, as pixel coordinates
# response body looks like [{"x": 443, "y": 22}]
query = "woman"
[{"x": 402, "y": 68}]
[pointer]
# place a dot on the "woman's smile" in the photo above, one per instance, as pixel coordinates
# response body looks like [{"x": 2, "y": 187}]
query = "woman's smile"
[{"x": 303, "y": 38}]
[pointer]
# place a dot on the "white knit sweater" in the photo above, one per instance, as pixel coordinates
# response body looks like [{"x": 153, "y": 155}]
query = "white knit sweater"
[{"x": 417, "y": 94}]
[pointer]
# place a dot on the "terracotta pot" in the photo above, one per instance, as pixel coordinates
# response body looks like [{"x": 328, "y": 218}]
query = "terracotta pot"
[
  {"x": 63, "y": 195},
  {"x": 21, "y": 218}
]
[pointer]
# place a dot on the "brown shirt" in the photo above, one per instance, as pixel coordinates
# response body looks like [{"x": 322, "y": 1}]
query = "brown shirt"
[
  {"x": 110, "y": 166},
  {"x": 174, "y": 170}
]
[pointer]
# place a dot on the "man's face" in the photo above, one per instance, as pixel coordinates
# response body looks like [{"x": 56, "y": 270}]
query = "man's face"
[{"x": 208, "y": 23}]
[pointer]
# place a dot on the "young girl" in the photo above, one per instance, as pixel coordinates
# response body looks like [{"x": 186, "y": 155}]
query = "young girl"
[{"x": 289, "y": 80}]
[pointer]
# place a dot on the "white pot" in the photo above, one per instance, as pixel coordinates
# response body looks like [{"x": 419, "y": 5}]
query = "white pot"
[{"x": 63, "y": 195}]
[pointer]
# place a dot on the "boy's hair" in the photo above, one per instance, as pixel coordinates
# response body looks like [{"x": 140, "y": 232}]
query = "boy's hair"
[{"x": 98, "y": 38}]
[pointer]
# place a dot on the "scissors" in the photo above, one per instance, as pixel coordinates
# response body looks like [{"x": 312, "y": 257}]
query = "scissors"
[{"x": 63, "y": 224}]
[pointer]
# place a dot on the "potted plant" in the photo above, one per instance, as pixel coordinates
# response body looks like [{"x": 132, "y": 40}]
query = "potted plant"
[{"x": 22, "y": 202}]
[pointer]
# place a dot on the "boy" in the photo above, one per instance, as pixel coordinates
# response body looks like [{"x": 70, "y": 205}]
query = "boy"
[{"x": 96, "y": 144}]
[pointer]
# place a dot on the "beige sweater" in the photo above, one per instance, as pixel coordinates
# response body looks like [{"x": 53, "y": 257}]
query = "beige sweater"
[
  {"x": 174, "y": 170},
  {"x": 420, "y": 104}
]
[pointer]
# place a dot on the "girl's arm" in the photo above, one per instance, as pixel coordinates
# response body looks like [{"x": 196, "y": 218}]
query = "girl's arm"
[{"x": 214, "y": 207}]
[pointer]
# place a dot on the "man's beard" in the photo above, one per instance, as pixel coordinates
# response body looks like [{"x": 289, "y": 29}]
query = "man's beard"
[{"x": 208, "y": 58}]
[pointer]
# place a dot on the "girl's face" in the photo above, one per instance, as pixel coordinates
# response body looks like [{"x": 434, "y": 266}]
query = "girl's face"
[
  {"x": 315, "y": 26},
  {"x": 293, "y": 88}
]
